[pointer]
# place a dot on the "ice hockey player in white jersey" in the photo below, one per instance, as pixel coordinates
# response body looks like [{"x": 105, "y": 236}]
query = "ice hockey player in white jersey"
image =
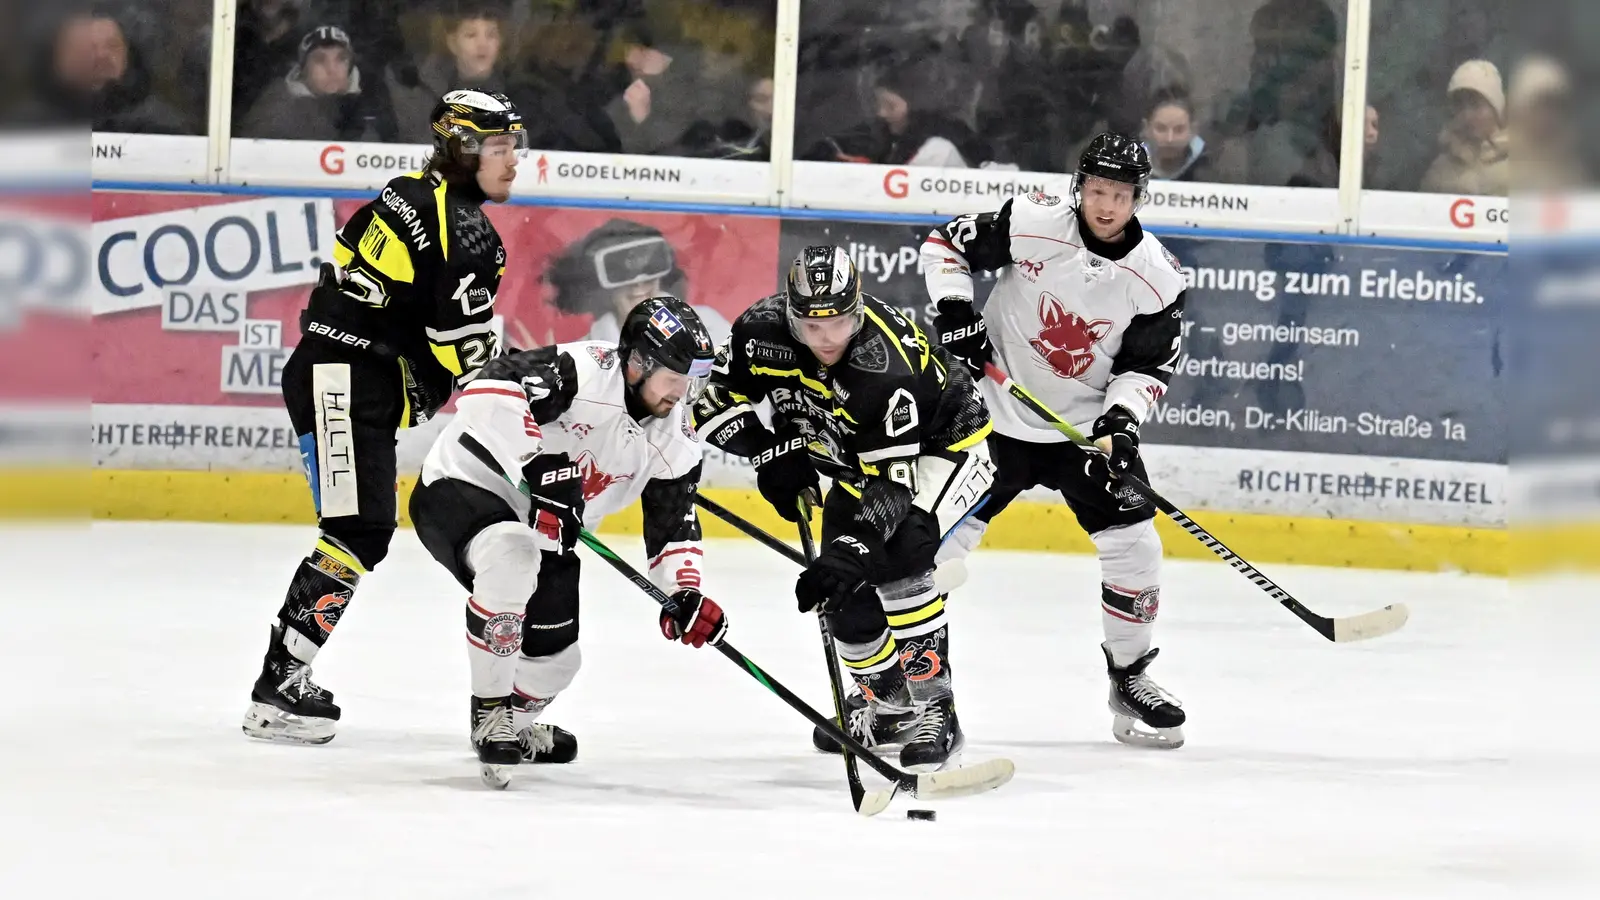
[
  {"x": 1087, "y": 314},
  {"x": 542, "y": 439}
]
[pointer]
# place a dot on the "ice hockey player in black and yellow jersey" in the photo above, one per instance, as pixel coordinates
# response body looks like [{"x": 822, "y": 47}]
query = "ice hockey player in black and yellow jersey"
[
  {"x": 861, "y": 396},
  {"x": 405, "y": 319}
]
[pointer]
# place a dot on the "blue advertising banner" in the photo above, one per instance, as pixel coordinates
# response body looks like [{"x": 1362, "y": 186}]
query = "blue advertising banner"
[{"x": 1317, "y": 378}]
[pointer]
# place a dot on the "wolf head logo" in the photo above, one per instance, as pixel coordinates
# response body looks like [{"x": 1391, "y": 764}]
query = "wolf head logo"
[{"x": 1066, "y": 341}]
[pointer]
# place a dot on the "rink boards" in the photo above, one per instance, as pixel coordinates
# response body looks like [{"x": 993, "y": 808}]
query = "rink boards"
[{"x": 1311, "y": 419}]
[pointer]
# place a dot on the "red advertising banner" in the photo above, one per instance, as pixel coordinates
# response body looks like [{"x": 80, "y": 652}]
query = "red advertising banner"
[{"x": 195, "y": 298}]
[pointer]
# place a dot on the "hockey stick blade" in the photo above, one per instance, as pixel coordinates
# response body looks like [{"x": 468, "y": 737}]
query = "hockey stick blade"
[
  {"x": 1365, "y": 626},
  {"x": 964, "y": 781}
]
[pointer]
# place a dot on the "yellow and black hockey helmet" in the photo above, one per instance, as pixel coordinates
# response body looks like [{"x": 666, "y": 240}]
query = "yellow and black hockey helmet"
[{"x": 464, "y": 120}]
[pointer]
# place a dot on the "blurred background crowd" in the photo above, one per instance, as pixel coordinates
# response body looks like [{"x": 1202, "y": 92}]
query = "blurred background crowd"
[{"x": 1232, "y": 91}]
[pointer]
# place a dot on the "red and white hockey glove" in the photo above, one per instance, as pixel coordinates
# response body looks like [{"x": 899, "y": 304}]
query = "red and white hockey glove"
[{"x": 693, "y": 618}]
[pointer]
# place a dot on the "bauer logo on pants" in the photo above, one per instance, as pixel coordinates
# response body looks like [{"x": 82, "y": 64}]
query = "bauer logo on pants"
[{"x": 336, "y": 449}]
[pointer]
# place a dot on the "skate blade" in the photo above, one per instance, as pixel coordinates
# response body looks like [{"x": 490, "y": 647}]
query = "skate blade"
[
  {"x": 1127, "y": 730},
  {"x": 266, "y": 722},
  {"x": 495, "y": 776}
]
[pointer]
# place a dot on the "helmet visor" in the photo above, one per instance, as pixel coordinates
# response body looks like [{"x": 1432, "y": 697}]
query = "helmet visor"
[
  {"x": 499, "y": 145},
  {"x": 669, "y": 381}
]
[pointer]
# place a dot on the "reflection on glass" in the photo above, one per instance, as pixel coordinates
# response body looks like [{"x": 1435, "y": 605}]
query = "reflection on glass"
[
  {"x": 668, "y": 77},
  {"x": 1437, "y": 88},
  {"x": 1241, "y": 91},
  {"x": 123, "y": 66}
]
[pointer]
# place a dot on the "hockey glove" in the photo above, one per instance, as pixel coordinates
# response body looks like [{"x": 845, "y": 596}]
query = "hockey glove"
[
  {"x": 963, "y": 333},
  {"x": 693, "y": 618},
  {"x": 1116, "y": 433},
  {"x": 556, "y": 522},
  {"x": 783, "y": 473},
  {"x": 842, "y": 572}
]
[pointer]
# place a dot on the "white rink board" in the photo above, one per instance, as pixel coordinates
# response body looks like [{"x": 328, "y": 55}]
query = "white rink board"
[{"x": 1408, "y": 767}]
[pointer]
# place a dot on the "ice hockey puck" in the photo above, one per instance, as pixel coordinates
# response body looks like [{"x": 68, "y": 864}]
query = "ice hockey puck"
[{"x": 921, "y": 815}]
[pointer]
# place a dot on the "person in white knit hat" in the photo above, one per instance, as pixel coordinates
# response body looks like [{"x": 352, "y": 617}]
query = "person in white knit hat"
[
  {"x": 1544, "y": 140},
  {"x": 1474, "y": 152}
]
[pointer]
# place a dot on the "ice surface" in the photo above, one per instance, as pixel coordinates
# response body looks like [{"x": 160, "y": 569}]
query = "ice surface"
[{"x": 1456, "y": 758}]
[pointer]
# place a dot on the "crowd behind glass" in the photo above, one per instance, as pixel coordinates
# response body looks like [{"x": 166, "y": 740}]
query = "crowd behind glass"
[{"x": 1231, "y": 91}]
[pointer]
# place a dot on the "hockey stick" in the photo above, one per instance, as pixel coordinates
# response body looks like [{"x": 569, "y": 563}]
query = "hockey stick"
[
  {"x": 951, "y": 574},
  {"x": 852, "y": 773},
  {"x": 1373, "y": 624},
  {"x": 960, "y": 782}
]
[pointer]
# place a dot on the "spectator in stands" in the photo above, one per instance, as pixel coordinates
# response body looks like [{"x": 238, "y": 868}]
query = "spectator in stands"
[
  {"x": 472, "y": 60},
  {"x": 910, "y": 129},
  {"x": 99, "y": 74},
  {"x": 1266, "y": 131},
  {"x": 1544, "y": 142},
  {"x": 322, "y": 98},
  {"x": 1473, "y": 148},
  {"x": 266, "y": 42},
  {"x": 1177, "y": 153}
]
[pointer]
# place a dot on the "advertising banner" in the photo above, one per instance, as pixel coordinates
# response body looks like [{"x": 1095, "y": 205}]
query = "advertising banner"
[
  {"x": 195, "y": 303},
  {"x": 858, "y": 186},
  {"x": 1450, "y": 217},
  {"x": 148, "y": 157},
  {"x": 1317, "y": 379},
  {"x": 543, "y": 173}
]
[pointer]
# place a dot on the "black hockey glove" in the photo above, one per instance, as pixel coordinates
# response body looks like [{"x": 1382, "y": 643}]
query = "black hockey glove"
[
  {"x": 784, "y": 472},
  {"x": 694, "y": 619},
  {"x": 963, "y": 333},
  {"x": 1117, "y": 433},
  {"x": 842, "y": 572},
  {"x": 557, "y": 522}
]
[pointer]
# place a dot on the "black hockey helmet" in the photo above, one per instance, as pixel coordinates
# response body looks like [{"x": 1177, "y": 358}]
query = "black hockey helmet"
[
  {"x": 666, "y": 333},
  {"x": 1115, "y": 157},
  {"x": 464, "y": 120},
  {"x": 823, "y": 283}
]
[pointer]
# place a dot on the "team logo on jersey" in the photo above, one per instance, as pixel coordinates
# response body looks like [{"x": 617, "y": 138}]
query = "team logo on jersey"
[
  {"x": 595, "y": 479},
  {"x": 665, "y": 322},
  {"x": 1029, "y": 269},
  {"x": 605, "y": 357},
  {"x": 920, "y": 659},
  {"x": 1043, "y": 199},
  {"x": 870, "y": 355},
  {"x": 326, "y": 611},
  {"x": 502, "y": 634},
  {"x": 1172, "y": 259},
  {"x": 1147, "y": 604},
  {"x": 1065, "y": 340}
]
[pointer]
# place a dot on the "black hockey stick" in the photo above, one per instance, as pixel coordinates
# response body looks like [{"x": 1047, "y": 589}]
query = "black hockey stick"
[
  {"x": 960, "y": 782},
  {"x": 1373, "y": 624},
  {"x": 950, "y": 574},
  {"x": 852, "y": 774}
]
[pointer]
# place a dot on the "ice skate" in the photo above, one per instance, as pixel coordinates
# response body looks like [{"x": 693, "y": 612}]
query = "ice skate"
[
  {"x": 1143, "y": 714},
  {"x": 938, "y": 739},
  {"x": 285, "y": 704},
  {"x": 880, "y": 726},
  {"x": 542, "y": 743},
  {"x": 495, "y": 740}
]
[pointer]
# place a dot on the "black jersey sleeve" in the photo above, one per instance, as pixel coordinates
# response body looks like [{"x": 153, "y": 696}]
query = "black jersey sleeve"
[
  {"x": 975, "y": 242},
  {"x": 724, "y": 413},
  {"x": 460, "y": 316},
  {"x": 1143, "y": 368}
]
